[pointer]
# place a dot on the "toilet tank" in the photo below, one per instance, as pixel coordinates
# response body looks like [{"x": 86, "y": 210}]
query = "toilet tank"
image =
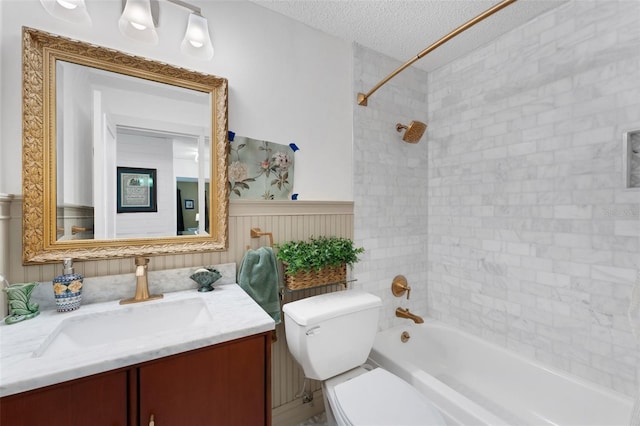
[{"x": 331, "y": 333}]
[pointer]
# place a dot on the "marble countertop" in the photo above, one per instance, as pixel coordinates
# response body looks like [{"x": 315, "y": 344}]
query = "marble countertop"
[{"x": 233, "y": 315}]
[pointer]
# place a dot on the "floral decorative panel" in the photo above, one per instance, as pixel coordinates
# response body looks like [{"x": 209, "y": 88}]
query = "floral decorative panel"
[{"x": 260, "y": 170}]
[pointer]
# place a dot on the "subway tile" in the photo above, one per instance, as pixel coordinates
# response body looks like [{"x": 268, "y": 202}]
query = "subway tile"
[
  {"x": 531, "y": 239},
  {"x": 630, "y": 228},
  {"x": 614, "y": 274},
  {"x": 553, "y": 279},
  {"x": 572, "y": 211}
]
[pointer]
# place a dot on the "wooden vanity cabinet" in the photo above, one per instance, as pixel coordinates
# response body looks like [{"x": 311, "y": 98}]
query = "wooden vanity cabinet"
[
  {"x": 101, "y": 399},
  {"x": 225, "y": 384}
]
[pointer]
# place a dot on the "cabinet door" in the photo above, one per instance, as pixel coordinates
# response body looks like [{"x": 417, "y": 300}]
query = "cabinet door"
[
  {"x": 225, "y": 384},
  {"x": 95, "y": 400}
]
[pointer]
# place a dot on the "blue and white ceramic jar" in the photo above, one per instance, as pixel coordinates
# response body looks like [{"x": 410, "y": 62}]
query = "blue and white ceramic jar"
[{"x": 67, "y": 288}]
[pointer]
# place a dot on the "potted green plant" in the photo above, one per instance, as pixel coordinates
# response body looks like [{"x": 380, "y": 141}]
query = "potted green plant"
[{"x": 321, "y": 260}]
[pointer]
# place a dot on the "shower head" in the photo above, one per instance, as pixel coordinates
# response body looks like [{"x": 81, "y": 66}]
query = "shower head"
[{"x": 414, "y": 131}]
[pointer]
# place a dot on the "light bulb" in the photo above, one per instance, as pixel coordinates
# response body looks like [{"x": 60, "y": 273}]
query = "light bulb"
[
  {"x": 66, "y": 4},
  {"x": 137, "y": 26}
]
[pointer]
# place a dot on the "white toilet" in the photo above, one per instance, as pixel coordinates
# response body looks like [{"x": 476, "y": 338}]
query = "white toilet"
[{"x": 330, "y": 336}]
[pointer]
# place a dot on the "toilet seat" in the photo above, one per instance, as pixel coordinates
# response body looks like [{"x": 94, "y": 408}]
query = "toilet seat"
[{"x": 378, "y": 397}]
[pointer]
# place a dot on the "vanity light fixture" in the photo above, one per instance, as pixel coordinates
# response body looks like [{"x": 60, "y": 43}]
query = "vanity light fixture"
[
  {"x": 140, "y": 18},
  {"x": 137, "y": 23},
  {"x": 197, "y": 41},
  {"x": 68, "y": 10}
]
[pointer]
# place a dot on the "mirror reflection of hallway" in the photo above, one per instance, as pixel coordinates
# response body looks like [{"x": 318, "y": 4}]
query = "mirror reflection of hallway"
[
  {"x": 189, "y": 218},
  {"x": 157, "y": 129}
]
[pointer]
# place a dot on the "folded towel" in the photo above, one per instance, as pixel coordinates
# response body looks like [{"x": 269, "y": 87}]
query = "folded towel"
[{"x": 258, "y": 276}]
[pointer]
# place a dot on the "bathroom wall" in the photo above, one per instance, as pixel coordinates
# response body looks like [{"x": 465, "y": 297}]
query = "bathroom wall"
[
  {"x": 2, "y": 148},
  {"x": 533, "y": 241},
  {"x": 517, "y": 181},
  {"x": 287, "y": 82},
  {"x": 390, "y": 183}
]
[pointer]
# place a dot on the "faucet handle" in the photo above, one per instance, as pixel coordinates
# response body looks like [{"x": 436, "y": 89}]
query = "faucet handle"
[
  {"x": 141, "y": 261},
  {"x": 399, "y": 286}
]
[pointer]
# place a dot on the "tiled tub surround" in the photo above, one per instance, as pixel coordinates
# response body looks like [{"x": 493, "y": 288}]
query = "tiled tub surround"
[
  {"x": 233, "y": 315},
  {"x": 390, "y": 184},
  {"x": 534, "y": 243}
]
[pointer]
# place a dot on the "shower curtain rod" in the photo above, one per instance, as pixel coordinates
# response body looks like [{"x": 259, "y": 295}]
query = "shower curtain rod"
[{"x": 362, "y": 98}]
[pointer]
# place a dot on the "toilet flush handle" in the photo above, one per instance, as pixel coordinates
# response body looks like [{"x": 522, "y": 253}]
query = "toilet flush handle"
[{"x": 313, "y": 331}]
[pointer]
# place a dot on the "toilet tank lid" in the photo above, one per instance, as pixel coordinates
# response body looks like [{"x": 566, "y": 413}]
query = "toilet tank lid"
[{"x": 315, "y": 309}]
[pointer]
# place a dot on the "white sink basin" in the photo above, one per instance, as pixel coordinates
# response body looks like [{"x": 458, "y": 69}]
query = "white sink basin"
[{"x": 134, "y": 325}]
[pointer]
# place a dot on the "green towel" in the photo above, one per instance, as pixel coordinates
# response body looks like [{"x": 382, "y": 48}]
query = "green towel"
[{"x": 258, "y": 276}]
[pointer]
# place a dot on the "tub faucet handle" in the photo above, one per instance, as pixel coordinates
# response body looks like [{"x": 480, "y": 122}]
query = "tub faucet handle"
[{"x": 399, "y": 286}]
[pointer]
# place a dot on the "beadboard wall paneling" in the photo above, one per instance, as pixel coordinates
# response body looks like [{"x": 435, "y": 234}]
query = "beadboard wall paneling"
[
  {"x": 5, "y": 217},
  {"x": 286, "y": 220}
]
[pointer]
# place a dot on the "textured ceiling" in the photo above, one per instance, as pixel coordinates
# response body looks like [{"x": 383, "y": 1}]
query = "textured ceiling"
[{"x": 403, "y": 28}]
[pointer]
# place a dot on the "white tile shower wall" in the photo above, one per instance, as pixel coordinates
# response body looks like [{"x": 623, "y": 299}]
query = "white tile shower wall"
[
  {"x": 533, "y": 241},
  {"x": 390, "y": 184}
]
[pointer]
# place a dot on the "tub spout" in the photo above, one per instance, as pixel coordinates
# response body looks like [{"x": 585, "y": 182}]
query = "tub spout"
[{"x": 404, "y": 313}]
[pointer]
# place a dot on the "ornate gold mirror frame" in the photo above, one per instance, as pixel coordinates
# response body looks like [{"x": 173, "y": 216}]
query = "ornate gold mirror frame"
[{"x": 40, "y": 245}]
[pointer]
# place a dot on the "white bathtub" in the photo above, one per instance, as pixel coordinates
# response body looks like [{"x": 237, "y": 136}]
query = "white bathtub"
[{"x": 474, "y": 382}]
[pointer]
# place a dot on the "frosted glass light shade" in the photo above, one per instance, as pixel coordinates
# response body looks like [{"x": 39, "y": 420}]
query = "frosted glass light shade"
[
  {"x": 136, "y": 22},
  {"x": 197, "y": 41},
  {"x": 68, "y": 10}
]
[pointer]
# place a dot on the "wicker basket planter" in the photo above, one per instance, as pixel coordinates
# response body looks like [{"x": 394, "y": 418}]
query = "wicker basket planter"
[
  {"x": 312, "y": 278},
  {"x": 318, "y": 261}
]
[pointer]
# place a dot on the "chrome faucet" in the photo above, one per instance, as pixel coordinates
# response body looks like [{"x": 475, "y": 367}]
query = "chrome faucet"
[
  {"x": 404, "y": 313},
  {"x": 142, "y": 283}
]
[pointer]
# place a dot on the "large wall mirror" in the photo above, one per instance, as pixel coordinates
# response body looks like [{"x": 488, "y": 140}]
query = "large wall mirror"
[{"x": 121, "y": 155}]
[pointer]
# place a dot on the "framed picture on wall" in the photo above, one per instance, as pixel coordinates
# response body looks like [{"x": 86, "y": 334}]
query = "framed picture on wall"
[
  {"x": 136, "y": 190},
  {"x": 188, "y": 204}
]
